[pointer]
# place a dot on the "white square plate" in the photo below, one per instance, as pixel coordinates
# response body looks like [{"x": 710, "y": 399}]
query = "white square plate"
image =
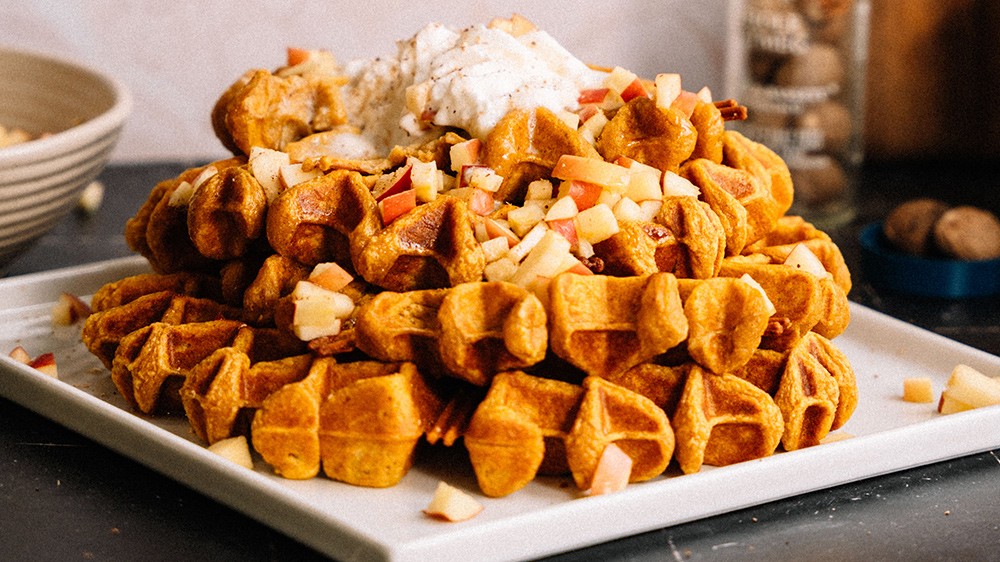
[{"x": 548, "y": 516}]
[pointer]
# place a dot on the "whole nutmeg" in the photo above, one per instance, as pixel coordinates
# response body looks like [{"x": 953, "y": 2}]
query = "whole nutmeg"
[
  {"x": 818, "y": 181},
  {"x": 909, "y": 226},
  {"x": 968, "y": 233},
  {"x": 819, "y": 66},
  {"x": 833, "y": 119}
]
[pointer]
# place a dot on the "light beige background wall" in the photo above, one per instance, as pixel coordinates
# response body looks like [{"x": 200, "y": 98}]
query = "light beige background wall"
[{"x": 178, "y": 56}]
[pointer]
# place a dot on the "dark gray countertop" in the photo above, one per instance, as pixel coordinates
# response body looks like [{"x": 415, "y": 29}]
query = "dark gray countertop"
[{"x": 63, "y": 497}]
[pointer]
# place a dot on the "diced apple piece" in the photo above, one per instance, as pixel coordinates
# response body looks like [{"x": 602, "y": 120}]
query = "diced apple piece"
[
  {"x": 801, "y": 257},
  {"x": 619, "y": 79},
  {"x": 522, "y": 248},
  {"x": 668, "y": 87},
  {"x": 626, "y": 210},
  {"x": 500, "y": 270},
  {"x": 584, "y": 194},
  {"x": 649, "y": 209},
  {"x": 584, "y": 249},
  {"x": 234, "y": 449},
  {"x": 543, "y": 204},
  {"x": 969, "y": 386},
  {"x": 388, "y": 185},
  {"x": 293, "y": 174},
  {"x": 918, "y": 389},
  {"x": 591, "y": 96},
  {"x": 596, "y": 224},
  {"x": 523, "y": 219},
  {"x": 573, "y": 264},
  {"x": 539, "y": 189},
  {"x": 331, "y": 276},
  {"x": 496, "y": 229},
  {"x": 572, "y": 120},
  {"x": 296, "y": 55},
  {"x": 746, "y": 278},
  {"x": 20, "y": 355},
  {"x": 675, "y": 185},
  {"x": 609, "y": 198},
  {"x": 591, "y": 170},
  {"x": 451, "y": 504},
  {"x": 181, "y": 195},
  {"x": 465, "y": 154},
  {"x": 566, "y": 228},
  {"x": 948, "y": 405},
  {"x": 265, "y": 165},
  {"x": 612, "y": 472},
  {"x": 636, "y": 89},
  {"x": 482, "y": 177},
  {"x": 495, "y": 248},
  {"x": 563, "y": 208},
  {"x": 481, "y": 202},
  {"x": 685, "y": 103},
  {"x": 318, "y": 311},
  {"x": 705, "y": 94},
  {"x": 393, "y": 206},
  {"x": 543, "y": 260},
  {"x": 479, "y": 228},
  {"x": 644, "y": 185},
  {"x": 46, "y": 364},
  {"x": 425, "y": 179},
  {"x": 592, "y": 126},
  {"x": 68, "y": 310},
  {"x": 516, "y": 25}
]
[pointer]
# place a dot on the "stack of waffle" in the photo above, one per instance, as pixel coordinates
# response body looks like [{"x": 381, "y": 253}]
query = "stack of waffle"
[{"x": 655, "y": 341}]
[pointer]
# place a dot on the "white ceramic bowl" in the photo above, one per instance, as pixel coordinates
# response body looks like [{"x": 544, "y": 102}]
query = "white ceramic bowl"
[{"x": 41, "y": 180}]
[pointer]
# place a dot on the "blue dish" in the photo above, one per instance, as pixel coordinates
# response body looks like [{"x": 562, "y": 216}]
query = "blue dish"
[{"x": 888, "y": 268}]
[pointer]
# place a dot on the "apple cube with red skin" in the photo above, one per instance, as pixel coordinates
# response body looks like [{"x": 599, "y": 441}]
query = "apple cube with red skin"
[
  {"x": 592, "y": 96},
  {"x": 46, "y": 364},
  {"x": 465, "y": 154},
  {"x": 544, "y": 259},
  {"x": 496, "y": 229},
  {"x": 685, "y": 103},
  {"x": 613, "y": 471},
  {"x": 481, "y": 202},
  {"x": 394, "y": 206},
  {"x": 591, "y": 170},
  {"x": 296, "y": 55},
  {"x": 69, "y": 309},
  {"x": 397, "y": 182},
  {"x": 636, "y": 89},
  {"x": 566, "y": 228},
  {"x": 331, "y": 276}
]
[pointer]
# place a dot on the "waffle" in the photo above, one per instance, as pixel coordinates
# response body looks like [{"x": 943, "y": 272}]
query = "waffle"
[
  {"x": 818, "y": 392},
  {"x": 360, "y": 421},
  {"x": 529, "y": 425},
  {"x": 330, "y": 218},
  {"x": 225, "y": 215},
  {"x": 104, "y": 330},
  {"x": 471, "y": 331},
  {"x": 604, "y": 325},
  {"x": 727, "y": 319},
  {"x": 722, "y": 420},
  {"x": 432, "y": 246},
  {"x": 643, "y": 132}
]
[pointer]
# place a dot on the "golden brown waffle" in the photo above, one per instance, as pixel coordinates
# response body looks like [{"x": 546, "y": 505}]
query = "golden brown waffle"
[
  {"x": 275, "y": 279},
  {"x": 525, "y": 145},
  {"x": 330, "y": 218},
  {"x": 610, "y": 414},
  {"x": 818, "y": 392},
  {"x": 722, "y": 420},
  {"x": 360, "y": 421},
  {"x": 744, "y": 154},
  {"x": 700, "y": 235},
  {"x": 727, "y": 319},
  {"x": 104, "y": 330},
  {"x": 268, "y": 110},
  {"x": 430, "y": 247},
  {"x": 130, "y": 288},
  {"x": 642, "y": 131},
  {"x": 605, "y": 325},
  {"x": 225, "y": 215},
  {"x": 711, "y": 128},
  {"x": 528, "y": 425},
  {"x": 471, "y": 331}
]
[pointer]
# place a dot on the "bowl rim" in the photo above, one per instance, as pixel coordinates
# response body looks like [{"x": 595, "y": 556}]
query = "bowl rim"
[{"x": 78, "y": 135}]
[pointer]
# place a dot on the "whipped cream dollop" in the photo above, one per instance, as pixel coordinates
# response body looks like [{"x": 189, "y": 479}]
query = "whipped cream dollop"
[{"x": 469, "y": 79}]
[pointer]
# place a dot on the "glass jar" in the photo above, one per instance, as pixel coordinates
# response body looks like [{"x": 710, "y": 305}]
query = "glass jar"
[{"x": 799, "y": 67}]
